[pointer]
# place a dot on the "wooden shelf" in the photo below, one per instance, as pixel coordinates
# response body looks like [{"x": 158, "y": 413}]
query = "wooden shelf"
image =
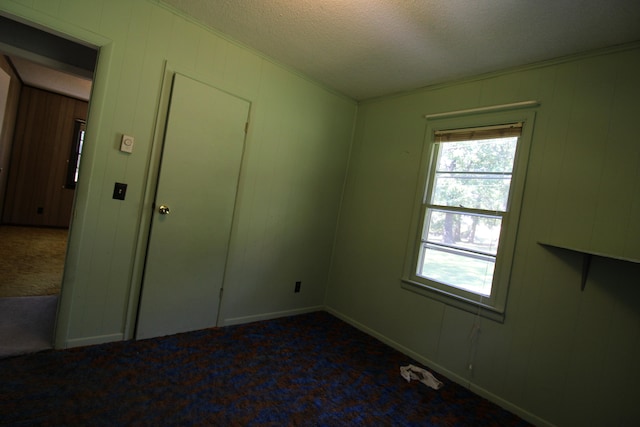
[{"x": 586, "y": 260}]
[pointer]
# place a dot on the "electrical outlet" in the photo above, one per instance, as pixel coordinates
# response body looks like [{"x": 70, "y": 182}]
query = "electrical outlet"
[{"x": 297, "y": 288}]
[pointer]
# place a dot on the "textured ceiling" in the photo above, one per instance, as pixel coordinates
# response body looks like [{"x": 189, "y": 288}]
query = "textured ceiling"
[{"x": 370, "y": 48}]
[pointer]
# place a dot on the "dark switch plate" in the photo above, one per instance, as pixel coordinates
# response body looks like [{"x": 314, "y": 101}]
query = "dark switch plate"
[{"x": 119, "y": 191}]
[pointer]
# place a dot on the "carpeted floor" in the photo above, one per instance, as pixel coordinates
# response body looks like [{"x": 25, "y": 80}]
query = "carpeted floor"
[
  {"x": 26, "y": 324},
  {"x": 307, "y": 370},
  {"x": 31, "y": 260}
]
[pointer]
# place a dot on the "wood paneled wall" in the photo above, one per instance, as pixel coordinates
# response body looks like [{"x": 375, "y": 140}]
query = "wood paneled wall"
[
  {"x": 7, "y": 121},
  {"x": 43, "y": 137}
]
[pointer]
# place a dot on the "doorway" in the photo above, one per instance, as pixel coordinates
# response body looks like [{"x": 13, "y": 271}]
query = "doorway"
[{"x": 35, "y": 220}]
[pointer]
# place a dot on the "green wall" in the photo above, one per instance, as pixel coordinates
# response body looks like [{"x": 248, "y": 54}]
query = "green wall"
[
  {"x": 291, "y": 182},
  {"x": 563, "y": 356}
]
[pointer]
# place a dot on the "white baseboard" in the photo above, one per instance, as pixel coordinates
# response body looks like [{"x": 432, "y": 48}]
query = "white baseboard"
[
  {"x": 533, "y": 419},
  {"x": 268, "y": 316},
  {"x": 100, "y": 339}
]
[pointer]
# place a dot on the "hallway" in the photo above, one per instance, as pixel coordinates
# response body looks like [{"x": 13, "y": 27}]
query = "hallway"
[
  {"x": 32, "y": 264},
  {"x": 26, "y": 324}
]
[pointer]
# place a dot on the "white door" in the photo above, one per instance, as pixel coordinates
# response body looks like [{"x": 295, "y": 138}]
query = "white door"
[{"x": 194, "y": 204}]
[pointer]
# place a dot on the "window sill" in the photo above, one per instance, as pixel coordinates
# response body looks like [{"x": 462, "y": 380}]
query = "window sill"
[{"x": 454, "y": 300}]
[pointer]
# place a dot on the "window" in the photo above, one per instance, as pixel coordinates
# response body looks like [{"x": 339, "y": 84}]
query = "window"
[
  {"x": 73, "y": 164},
  {"x": 467, "y": 209}
]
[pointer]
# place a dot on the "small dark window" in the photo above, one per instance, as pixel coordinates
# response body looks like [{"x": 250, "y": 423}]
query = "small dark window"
[{"x": 75, "y": 153}]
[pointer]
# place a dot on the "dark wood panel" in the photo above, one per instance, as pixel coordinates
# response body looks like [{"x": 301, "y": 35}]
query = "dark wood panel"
[
  {"x": 42, "y": 142},
  {"x": 8, "y": 126}
]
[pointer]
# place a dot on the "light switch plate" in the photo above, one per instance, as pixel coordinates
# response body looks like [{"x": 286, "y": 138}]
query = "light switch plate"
[
  {"x": 126, "y": 144},
  {"x": 119, "y": 191}
]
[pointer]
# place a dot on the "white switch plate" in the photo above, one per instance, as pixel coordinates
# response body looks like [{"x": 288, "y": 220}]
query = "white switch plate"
[{"x": 126, "y": 144}]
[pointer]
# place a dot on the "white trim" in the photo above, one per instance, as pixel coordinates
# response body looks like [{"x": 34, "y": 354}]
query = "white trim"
[
  {"x": 505, "y": 404},
  {"x": 455, "y": 300},
  {"x": 98, "y": 339},
  {"x": 473, "y": 129},
  {"x": 488, "y": 109},
  {"x": 268, "y": 316},
  {"x": 149, "y": 190}
]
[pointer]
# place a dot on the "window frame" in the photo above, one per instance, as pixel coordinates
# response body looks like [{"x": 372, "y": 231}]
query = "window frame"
[
  {"x": 75, "y": 153},
  {"x": 493, "y": 306}
]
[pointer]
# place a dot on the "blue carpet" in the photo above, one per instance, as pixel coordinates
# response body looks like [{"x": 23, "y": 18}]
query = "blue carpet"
[{"x": 307, "y": 370}]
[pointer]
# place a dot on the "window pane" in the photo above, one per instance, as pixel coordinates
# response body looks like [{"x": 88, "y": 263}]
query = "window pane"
[
  {"x": 477, "y": 233},
  {"x": 475, "y": 191},
  {"x": 490, "y": 155},
  {"x": 473, "y": 274},
  {"x": 474, "y": 174},
  {"x": 469, "y": 205}
]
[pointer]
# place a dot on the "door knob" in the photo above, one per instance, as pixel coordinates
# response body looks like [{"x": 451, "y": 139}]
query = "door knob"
[{"x": 164, "y": 210}]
